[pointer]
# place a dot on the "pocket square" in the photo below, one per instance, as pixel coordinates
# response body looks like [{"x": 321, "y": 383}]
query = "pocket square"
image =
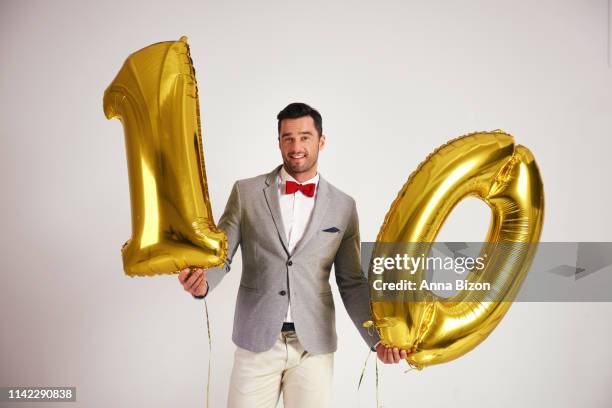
[{"x": 332, "y": 229}]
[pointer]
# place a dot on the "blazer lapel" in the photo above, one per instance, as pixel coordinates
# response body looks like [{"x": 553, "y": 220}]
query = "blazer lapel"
[
  {"x": 318, "y": 212},
  {"x": 271, "y": 194}
]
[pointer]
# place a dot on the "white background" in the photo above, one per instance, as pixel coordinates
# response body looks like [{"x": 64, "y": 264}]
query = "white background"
[{"x": 393, "y": 80}]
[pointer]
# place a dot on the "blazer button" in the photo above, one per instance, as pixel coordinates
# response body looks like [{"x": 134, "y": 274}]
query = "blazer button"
[
  {"x": 290, "y": 263},
  {"x": 282, "y": 293}
]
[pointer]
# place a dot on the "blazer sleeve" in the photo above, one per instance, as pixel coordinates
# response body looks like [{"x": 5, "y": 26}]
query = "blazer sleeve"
[
  {"x": 230, "y": 224},
  {"x": 352, "y": 282}
]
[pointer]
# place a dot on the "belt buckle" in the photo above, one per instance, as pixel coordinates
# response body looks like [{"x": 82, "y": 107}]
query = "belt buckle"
[{"x": 288, "y": 326}]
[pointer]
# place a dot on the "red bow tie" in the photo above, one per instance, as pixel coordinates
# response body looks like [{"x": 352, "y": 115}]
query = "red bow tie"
[{"x": 307, "y": 189}]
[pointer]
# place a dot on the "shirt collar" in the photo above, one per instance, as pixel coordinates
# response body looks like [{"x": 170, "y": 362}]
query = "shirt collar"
[{"x": 284, "y": 176}]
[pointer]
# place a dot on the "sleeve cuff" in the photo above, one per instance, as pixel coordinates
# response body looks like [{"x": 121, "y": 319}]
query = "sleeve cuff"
[{"x": 376, "y": 345}]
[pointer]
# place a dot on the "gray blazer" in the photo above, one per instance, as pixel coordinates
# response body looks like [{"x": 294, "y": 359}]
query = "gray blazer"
[{"x": 272, "y": 277}]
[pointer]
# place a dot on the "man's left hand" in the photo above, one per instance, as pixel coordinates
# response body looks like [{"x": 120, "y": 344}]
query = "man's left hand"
[{"x": 391, "y": 355}]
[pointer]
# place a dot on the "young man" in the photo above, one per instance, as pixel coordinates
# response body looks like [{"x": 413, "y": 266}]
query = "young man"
[{"x": 292, "y": 226}]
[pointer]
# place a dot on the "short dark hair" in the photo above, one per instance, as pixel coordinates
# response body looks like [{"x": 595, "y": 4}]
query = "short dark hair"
[{"x": 297, "y": 110}]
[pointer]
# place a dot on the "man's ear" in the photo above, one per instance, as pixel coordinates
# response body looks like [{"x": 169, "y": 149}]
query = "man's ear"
[{"x": 322, "y": 142}]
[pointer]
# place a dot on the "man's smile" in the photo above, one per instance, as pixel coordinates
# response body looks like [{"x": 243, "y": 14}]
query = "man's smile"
[{"x": 297, "y": 156}]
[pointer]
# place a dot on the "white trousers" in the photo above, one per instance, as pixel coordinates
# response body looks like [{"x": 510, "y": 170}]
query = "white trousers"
[{"x": 258, "y": 379}]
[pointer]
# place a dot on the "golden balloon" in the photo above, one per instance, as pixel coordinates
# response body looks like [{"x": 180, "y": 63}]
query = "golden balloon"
[
  {"x": 155, "y": 95},
  {"x": 486, "y": 165}
]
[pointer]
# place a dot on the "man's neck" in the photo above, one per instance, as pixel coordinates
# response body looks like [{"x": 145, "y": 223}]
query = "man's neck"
[{"x": 304, "y": 176}]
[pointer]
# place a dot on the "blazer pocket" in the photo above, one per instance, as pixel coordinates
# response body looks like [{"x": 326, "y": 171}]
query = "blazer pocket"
[
  {"x": 326, "y": 235},
  {"x": 329, "y": 240},
  {"x": 248, "y": 288},
  {"x": 326, "y": 293}
]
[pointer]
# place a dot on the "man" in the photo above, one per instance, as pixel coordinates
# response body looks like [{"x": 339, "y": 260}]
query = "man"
[{"x": 293, "y": 226}]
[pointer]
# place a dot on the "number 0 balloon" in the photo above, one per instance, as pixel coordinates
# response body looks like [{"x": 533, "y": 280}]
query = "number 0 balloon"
[
  {"x": 155, "y": 95},
  {"x": 486, "y": 165}
]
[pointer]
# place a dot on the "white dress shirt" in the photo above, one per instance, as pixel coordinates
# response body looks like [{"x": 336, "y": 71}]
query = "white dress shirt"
[{"x": 296, "y": 210}]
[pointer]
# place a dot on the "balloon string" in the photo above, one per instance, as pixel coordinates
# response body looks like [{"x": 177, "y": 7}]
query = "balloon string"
[
  {"x": 377, "y": 399},
  {"x": 209, "y": 353},
  {"x": 411, "y": 368},
  {"x": 365, "y": 364}
]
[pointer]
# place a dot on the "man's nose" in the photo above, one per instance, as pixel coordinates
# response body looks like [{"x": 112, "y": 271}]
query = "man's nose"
[{"x": 295, "y": 147}]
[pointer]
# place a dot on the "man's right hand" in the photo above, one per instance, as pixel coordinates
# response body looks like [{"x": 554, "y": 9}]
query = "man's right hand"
[{"x": 194, "y": 281}]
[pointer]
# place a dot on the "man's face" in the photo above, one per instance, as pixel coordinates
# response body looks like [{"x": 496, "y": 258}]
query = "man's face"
[{"x": 299, "y": 143}]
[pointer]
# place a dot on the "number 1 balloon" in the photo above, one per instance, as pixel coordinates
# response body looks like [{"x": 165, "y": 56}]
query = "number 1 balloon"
[
  {"x": 486, "y": 165},
  {"x": 155, "y": 95}
]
